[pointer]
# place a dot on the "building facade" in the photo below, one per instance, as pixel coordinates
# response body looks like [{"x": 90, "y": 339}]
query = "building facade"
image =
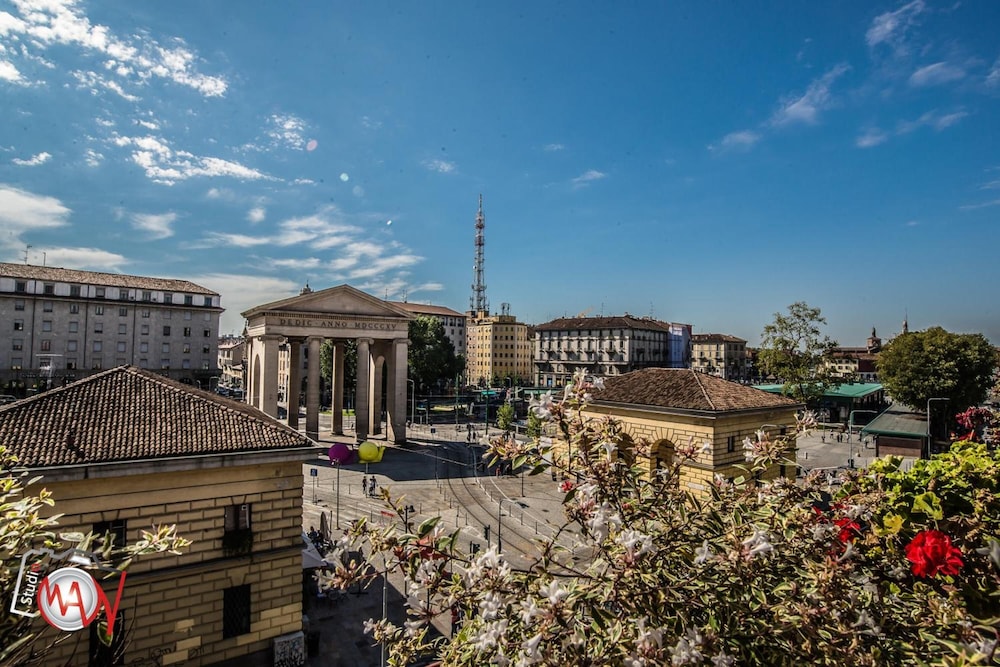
[
  {"x": 228, "y": 478},
  {"x": 498, "y": 349},
  {"x": 857, "y": 363},
  {"x": 720, "y": 355},
  {"x": 63, "y": 324},
  {"x": 231, "y": 352},
  {"x": 607, "y": 347},
  {"x": 454, "y": 323}
]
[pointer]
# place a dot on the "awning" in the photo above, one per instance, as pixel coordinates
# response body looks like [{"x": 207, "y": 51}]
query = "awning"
[{"x": 311, "y": 558}]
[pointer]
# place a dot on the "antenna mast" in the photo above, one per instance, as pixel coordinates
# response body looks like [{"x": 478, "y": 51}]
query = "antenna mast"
[{"x": 478, "y": 302}]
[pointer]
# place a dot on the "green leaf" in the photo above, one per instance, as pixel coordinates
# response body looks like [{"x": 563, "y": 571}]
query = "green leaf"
[
  {"x": 928, "y": 503},
  {"x": 427, "y": 526}
]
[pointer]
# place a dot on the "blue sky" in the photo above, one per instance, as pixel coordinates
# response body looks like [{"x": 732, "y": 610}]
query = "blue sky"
[{"x": 707, "y": 163}]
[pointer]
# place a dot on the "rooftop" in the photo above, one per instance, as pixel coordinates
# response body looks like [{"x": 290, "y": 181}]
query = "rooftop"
[
  {"x": 846, "y": 390},
  {"x": 427, "y": 309},
  {"x": 130, "y": 414},
  {"x": 685, "y": 389},
  {"x": 706, "y": 337},
  {"x": 614, "y": 322},
  {"x": 58, "y": 275},
  {"x": 898, "y": 420}
]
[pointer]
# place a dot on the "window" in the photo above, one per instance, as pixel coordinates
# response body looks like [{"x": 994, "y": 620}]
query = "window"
[
  {"x": 98, "y": 327},
  {"x": 98, "y": 346},
  {"x": 46, "y": 325},
  {"x": 15, "y": 363},
  {"x": 123, "y": 295},
  {"x": 21, "y": 286},
  {"x": 46, "y": 306},
  {"x": 18, "y": 344},
  {"x": 71, "y": 364},
  {"x": 187, "y": 332},
  {"x": 147, "y": 296},
  {"x": 168, "y": 297},
  {"x": 99, "y": 292},
  {"x": 145, "y": 312},
  {"x": 18, "y": 325},
  {"x": 123, "y": 311},
  {"x": 187, "y": 314},
  {"x": 164, "y": 364},
  {"x": 74, "y": 308},
  {"x": 208, "y": 301},
  {"x": 96, "y": 364},
  {"x": 166, "y": 330},
  {"x": 121, "y": 346},
  {"x": 186, "y": 364},
  {"x": 46, "y": 345},
  {"x": 122, "y": 329},
  {"x": 74, "y": 290},
  {"x": 235, "y": 611},
  {"x": 208, "y": 333},
  {"x": 188, "y": 300},
  {"x": 98, "y": 310},
  {"x": 49, "y": 288},
  {"x": 117, "y": 528},
  {"x": 71, "y": 346},
  {"x": 204, "y": 366},
  {"x": 731, "y": 443},
  {"x": 144, "y": 363},
  {"x": 205, "y": 349},
  {"x": 165, "y": 348},
  {"x": 237, "y": 538},
  {"x": 18, "y": 304},
  {"x": 144, "y": 347},
  {"x": 187, "y": 348}
]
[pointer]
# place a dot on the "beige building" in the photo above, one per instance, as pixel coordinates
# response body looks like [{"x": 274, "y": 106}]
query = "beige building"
[
  {"x": 63, "y": 323},
  {"x": 668, "y": 406},
  {"x": 720, "y": 355},
  {"x": 231, "y": 352},
  {"x": 606, "y": 347},
  {"x": 452, "y": 321},
  {"x": 857, "y": 364},
  {"x": 126, "y": 450},
  {"x": 498, "y": 348}
]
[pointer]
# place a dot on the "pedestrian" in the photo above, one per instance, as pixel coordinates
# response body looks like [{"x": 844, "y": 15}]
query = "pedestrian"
[{"x": 374, "y": 486}]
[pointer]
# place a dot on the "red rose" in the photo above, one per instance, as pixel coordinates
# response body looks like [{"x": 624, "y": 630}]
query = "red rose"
[{"x": 931, "y": 552}]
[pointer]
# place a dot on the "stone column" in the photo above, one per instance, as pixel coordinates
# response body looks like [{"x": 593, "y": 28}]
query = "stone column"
[
  {"x": 396, "y": 392},
  {"x": 378, "y": 361},
  {"x": 312, "y": 388},
  {"x": 361, "y": 402},
  {"x": 338, "y": 389},
  {"x": 294, "y": 381},
  {"x": 269, "y": 374}
]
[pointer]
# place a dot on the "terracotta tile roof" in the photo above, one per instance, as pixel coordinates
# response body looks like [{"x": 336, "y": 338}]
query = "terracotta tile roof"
[
  {"x": 685, "y": 389},
  {"x": 128, "y": 414},
  {"x": 57, "y": 275},
  {"x": 706, "y": 337},
  {"x": 615, "y": 322},
  {"x": 427, "y": 309}
]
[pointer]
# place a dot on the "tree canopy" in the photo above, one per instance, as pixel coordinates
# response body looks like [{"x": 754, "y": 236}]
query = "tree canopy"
[
  {"x": 935, "y": 363},
  {"x": 432, "y": 356},
  {"x": 794, "y": 350}
]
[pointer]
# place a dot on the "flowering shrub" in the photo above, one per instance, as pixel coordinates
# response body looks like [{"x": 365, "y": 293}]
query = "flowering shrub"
[{"x": 883, "y": 568}]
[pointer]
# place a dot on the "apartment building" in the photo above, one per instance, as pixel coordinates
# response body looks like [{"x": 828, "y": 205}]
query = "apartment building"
[
  {"x": 454, "y": 323},
  {"x": 720, "y": 355},
  {"x": 498, "y": 349},
  {"x": 607, "y": 346},
  {"x": 232, "y": 349},
  {"x": 857, "y": 363},
  {"x": 63, "y": 324}
]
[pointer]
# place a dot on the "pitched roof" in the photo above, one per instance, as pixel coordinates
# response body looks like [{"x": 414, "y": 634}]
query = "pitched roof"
[
  {"x": 685, "y": 389},
  {"x": 427, "y": 309},
  {"x": 614, "y": 322},
  {"x": 58, "y": 275},
  {"x": 707, "y": 337},
  {"x": 130, "y": 414}
]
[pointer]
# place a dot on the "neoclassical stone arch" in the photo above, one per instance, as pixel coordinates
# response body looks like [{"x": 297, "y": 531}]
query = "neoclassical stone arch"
[{"x": 339, "y": 313}]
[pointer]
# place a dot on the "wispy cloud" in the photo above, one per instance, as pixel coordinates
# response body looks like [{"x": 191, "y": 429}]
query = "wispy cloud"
[
  {"x": 93, "y": 158},
  {"x": 741, "y": 140},
  {"x": 10, "y": 73},
  {"x": 94, "y": 82},
  {"x": 551, "y": 148},
  {"x": 33, "y": 161},
  {"x": 986, "y": 204},
  {"x": 993, "y": 77},
  {"x": 936, "y": 75},
  {"x": 94, "y": 259},
  {"x": 22, "y": 211},
  {"x": 256, "y": 214},
  {"x": 890, "y": 28},
  {"x": 588, "y": 177},
  {"x": 164, "y": 165},
  {"x": 933, "y": 119},
  {"x": 156, "y": 226},
  {"x": 440, "y": 166},
  {"x": 871, "y": 137},
  {"x": 287, "y": 130},
  {"x": 806, "y": 107},
  {"x": 133, "y": 60}
]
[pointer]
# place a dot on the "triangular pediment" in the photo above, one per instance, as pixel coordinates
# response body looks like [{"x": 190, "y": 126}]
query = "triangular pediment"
[{"x": 342, "y": 300}]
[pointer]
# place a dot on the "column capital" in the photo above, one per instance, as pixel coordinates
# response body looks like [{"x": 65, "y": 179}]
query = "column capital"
[
  {"x": 310, "y": 339},
  {"x": 367, "y": 341},
  {"x": 401, "y": 341}
]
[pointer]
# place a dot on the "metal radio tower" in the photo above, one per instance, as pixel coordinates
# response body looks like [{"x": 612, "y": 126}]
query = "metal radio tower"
[{"x": 478, "y": 302}]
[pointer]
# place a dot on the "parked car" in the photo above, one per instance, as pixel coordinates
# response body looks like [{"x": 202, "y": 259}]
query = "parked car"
[{"x": 7, "y": 398}]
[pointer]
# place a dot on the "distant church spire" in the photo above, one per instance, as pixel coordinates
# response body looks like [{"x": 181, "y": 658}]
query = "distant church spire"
[{"x": 906, "y": 325}]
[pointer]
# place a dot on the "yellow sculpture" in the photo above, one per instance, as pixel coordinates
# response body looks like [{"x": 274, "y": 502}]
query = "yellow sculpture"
[{"x": 369, "y": 452}]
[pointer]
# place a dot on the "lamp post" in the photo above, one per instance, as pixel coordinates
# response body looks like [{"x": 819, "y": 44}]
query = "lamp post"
[
  {"x": 413, "y": 399},
  {"x": 458, "y": 378},
  {"x": 929, "y": 401},
  {"x": 338, "y": 494}
]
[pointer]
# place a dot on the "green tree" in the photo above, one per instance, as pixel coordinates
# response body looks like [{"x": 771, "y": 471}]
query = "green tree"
[
  {"x": 350, "y": 363},
  {"x": 795, "y": 351},
  {"x": 505, "y": 417},
  {"x": 432, "y": 356},
  {"x": 934, "y": 363}
]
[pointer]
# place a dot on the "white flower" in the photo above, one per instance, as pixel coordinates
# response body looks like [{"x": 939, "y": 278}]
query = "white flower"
[
  {"x": 686, "y": 651},
  {"x": 489, "y": 606},
  {"x": 542, "y": 405},
  {"x": 598, "y": 383},
  {"x": 609, "y": 449},
  {"x": 706, "y": 448},
  {"x": 489, "y": 635},
  {"x": 602, "y": 521},
  {"x": 703, "y": 553},
  {"x": 529, "y": 610},
  {"x": 413, "y": 627},
  {"x": 720, "y": 659},
  {"x": 370, "y": 626},
  {"x": 749, "y": 449},
  {"x": 554, "y": 592},
  {"x": 635, "y": 542},
  {"x": 757, "y": 544},
  {"x": 531, "y": 648}
]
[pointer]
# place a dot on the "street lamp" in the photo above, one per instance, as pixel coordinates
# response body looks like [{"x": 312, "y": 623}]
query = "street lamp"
[
  {"x": 337, "y": 463},
  {"x": 458, "y": 378},
  {"x": 850, "y": 419},
  {"x": 413, "y": 399},
  {"x": 929, "y": 400}
]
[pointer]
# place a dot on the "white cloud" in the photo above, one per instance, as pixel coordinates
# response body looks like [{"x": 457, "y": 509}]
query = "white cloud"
[
  {"x": 741, "y": 140},
  {"x": 987, "y": 204},
  {"x": 891, "y": 27},
  {"x": 871, "y": 137},
  {"x": 33, "y": 161},
  {"x": 288, "y": 130},
  {"x": 256, "y": 214},
  {"x": 93, "y": 158},
  {"x": 426, "y": 287},
  {"x": 931, "y": 119},
  {"x": 936, "y": 75},
  {"x": 157, "y": 226},
  {"x": 149, "y": 125},
  {"x": 242, "y": 292},
  {"x": 551, "y": 148},
  {"x": 295, "y": 263},
  {"x": 993, "y": 77},
  {"x": 93, "y": 259},
  {"x": 806, "y": 108},
  {"x": 94, "y": 81},
  {"x": 440, "y": 166},
  {"x": 221, "y": 193},
  {"x": 587, "y": 177},
  {"x": 9, "y": 73},
  {"x": 164, "y": 165},
  {"x": 133, "y": 59},
  {"x": 303, "y": 181},
  {"x": 22, "y": 211},
  {"x": 370, "y": 123},
  {"x": 237, "y": 240}
]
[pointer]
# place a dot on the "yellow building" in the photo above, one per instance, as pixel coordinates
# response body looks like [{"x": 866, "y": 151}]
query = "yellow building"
[
  {"x": 667, "y": 406},
  {"x": 126, "y": 450},
  {"x": 720, "y": 355},
  {"x": 498, "y": 347}
]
